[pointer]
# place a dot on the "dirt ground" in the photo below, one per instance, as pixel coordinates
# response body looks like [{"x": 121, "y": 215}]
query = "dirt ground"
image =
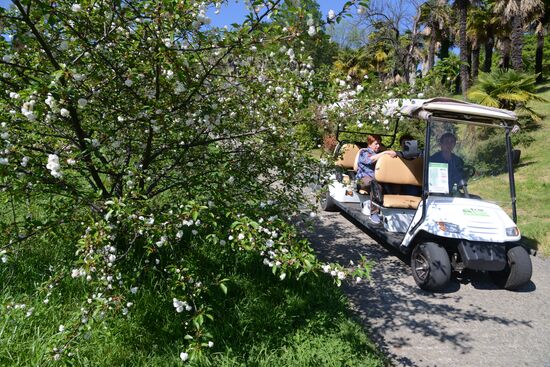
[{"x": 471, "y": 323}]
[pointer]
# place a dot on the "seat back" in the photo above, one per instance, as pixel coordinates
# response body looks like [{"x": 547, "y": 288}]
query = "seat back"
[
  {"x": 347, "y": 153},
  {"x": 399, "y": 171}
]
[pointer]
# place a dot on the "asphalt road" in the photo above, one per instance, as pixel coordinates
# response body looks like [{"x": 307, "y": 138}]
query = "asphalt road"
[{"x": 471, "y": 323}]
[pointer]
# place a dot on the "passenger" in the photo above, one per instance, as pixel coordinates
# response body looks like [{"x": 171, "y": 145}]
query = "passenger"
[
  {"x": 367, "y": 160},
  {"x": 365, "y": 168},
  {"x": 455, "y": 164}
]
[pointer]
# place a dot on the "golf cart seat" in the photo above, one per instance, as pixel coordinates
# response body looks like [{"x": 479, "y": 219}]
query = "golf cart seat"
[
  {"x": 399, "y": 171},
  {"x": 347, "y": 153}
]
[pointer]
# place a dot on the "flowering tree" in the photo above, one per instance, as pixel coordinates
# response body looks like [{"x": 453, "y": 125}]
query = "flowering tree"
[{"x": 146, "y": 140}]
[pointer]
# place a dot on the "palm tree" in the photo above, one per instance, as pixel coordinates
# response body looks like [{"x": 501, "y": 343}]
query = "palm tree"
[
  {"x": 477, "y": 33},
  {"x": 435, "y": 15},
  {"x": 482, "y": 28},
  {"x": 515, "y": 11},
  {"x": 541, "y": 19},
  {"x": 462, "y": 9},
  {"x": 508, "y": 89},
  {"x": 354, "y": 63}
]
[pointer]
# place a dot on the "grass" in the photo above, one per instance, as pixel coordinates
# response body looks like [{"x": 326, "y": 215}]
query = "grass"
[{"x": 262, "y": 321}]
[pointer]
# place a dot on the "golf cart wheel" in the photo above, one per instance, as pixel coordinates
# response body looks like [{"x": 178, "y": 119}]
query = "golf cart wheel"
[
  {"x": 431, "y": 267},
  {"x": 517, "y": 272},
  {"x": 328, "y": 204}
]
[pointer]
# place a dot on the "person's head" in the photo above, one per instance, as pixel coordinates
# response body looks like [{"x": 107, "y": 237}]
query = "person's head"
[
  {"x": 447, "y": 142},
  {"x": 373, "y": 142},
  {"x": 403, "y": 139}
]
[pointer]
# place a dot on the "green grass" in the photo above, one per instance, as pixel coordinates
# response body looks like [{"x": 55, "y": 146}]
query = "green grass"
[
  {"x": 533, "y": 181},
  {"x": 262, "y": 321}
]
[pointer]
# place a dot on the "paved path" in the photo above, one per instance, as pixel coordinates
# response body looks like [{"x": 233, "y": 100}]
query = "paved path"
[{"x": 472, "y": 323}]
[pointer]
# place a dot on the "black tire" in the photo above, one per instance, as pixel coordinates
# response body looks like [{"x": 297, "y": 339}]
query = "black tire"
[
  {"x": 431, "y": 267},
  {"x": 517, "y": 272},
  {"x": 328, "y": 204}
]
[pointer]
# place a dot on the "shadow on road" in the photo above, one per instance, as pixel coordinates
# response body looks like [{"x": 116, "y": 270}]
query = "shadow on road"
[{"x": 392, "y": 306}]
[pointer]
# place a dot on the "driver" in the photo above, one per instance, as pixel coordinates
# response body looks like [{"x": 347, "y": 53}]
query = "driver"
[{"x": 455, "y": 164}]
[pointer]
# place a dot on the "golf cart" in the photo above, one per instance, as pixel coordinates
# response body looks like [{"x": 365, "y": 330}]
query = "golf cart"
[{"x": 445, "y": 228}]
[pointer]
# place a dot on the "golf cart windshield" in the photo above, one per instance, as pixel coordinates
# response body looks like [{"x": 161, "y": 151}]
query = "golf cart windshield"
[{"x": 469, "y": 160}]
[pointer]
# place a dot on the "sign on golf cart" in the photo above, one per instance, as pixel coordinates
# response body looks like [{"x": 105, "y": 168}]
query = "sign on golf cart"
[{"x": 450, "y": 205}]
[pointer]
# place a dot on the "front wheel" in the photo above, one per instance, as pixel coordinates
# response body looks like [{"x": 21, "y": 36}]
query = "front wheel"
[
  {"x": 431, "y": 267},
  {"x": 328, "y": 203},
  {"x": 517, "y": 272}
]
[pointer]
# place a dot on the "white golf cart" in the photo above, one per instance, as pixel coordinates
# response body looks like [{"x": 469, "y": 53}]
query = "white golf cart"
[{"x": 445, "y": 226}]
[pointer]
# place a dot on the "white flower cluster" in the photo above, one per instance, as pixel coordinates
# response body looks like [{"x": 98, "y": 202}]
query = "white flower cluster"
[
  {"x": 312, "y": 30},
  {"x": 181, "y": 305},
  {"x": 4, "y": 257},
  {"x": 334, "y": 272},
  {"x": 202, "y": 18},
  {"x": 27, "y": 110},
  {"x": 53, "y": 166}
]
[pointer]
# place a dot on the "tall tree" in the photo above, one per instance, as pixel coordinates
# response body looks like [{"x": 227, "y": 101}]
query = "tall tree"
[
  {"x": 435, "y": 15},
  {"x": 515, "y": 11},
  {"x": 481, "y": 28},
  {"x": 462, "y": 10},
  {"x": 540, "y": 22}
]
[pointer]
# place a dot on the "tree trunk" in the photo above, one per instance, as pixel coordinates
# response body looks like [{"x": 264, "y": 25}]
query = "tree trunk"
[
  {"x": 444, "y": 49},
  {"x": 517, "y": 43},
  {"x": 462, "y": 6},
  {"x": 431, "y": 51},
  {"x": 505, "y": 63},
  {"x": 539, "y": 56},
  {"x": 487, "y": 63},
  {"x": 475, "y": 62}
]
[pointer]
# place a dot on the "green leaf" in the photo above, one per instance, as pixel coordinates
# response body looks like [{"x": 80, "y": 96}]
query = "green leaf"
[{"x": 223, "y": 288}]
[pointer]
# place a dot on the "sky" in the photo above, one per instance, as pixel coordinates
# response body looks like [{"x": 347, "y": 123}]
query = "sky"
[{"x": 234, "y": 11}]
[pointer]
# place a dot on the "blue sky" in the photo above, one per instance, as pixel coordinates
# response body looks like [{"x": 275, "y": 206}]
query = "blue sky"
[{"x": 234, "y": 11}]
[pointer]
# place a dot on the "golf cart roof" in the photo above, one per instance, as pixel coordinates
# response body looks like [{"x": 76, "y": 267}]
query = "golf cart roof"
[{"x": 451, "y": 109}]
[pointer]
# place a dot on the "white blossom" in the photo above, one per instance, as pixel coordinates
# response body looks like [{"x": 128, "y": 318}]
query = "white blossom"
[
  {"x": 312, "y": 31},
  {"x": 53, "y": 165},
  {"x": 331, "y": 14},
  {"x": 184, "y": 356},
  {"x": 82, "y": 102},
  {"x": 76, "y": 8},
  {"x": 64, "y": 112},
  {"x": 128, "y": 82}
]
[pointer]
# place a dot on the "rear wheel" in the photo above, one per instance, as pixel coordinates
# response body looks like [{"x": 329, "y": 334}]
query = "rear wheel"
[
  {"x": 431, "y": 267},
  {"x": 328, "y": 203},
  {"x": 517, "y": 272}
]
